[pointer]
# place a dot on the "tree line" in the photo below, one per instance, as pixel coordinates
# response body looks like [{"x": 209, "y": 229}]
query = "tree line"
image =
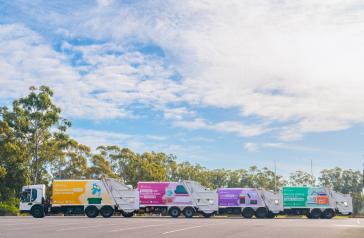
[{"x": 35, "y": 148}]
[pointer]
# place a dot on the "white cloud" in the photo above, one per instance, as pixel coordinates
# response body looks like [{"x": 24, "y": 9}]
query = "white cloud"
[
  {"x": 138, "y": 143},
  {"x": 95, "y": 138},
  {"x": 239, "y": 128},
  {"x": 288, "y": 61},
  {"x": 298, "y": 63},
  {"x": 110, "y": 85},
  {"x": 234, "y": 127},
  {"x": 197, "y": 123},
  {"x": 251, "y": 147},
  {"x": 178, "y": 113}
]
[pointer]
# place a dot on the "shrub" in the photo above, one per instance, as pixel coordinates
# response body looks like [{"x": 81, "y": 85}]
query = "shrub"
[
  {"x": 358, "y": 204},
  {"x": 9, "y": 208}
]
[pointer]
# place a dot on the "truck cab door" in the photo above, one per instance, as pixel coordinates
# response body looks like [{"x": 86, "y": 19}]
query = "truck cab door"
[{"x": 25, "y": 200}]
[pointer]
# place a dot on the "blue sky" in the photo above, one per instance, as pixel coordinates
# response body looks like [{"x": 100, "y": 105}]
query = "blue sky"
[{"x": 223, "y": 84}]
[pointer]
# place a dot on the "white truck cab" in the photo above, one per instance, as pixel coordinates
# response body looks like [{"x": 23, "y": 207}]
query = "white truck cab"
[{"x": 32, "y": 199}]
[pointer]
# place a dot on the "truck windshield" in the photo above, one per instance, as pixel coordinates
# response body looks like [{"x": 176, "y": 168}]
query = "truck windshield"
[{"x": 25, "y": 195}]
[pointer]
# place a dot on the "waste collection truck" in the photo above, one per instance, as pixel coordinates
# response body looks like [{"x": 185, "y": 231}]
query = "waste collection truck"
[
  {"x": 315, "y": 202},
  {"x": 174, "y": 198},
  {"x": 90, "y": 197},
  {"x": 249, "y": 202}
]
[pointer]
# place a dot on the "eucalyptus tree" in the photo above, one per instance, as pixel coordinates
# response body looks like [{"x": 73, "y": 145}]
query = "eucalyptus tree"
[
  {"x": 34, "y": 120},
  {"x": 301, "y": 178}
]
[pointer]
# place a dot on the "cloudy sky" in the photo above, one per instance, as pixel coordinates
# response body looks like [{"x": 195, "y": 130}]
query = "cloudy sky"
[{"x": 221, "y": 83}]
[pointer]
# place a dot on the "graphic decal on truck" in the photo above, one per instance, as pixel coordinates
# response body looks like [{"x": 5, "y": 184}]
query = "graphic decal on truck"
[
  {"x": 241, "y": 197},
  {"x": 163, "y": 193},
  {"x": 78, "y": 192},
  {"x": 304, "y": 197}
]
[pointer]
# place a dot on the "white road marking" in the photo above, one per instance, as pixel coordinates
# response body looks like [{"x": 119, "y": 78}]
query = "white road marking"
[
  {"x": 182, "y": 229},
  {"x": 353, "y": 226},
  {"x": 188, "y": 228},
  {"x": 358, "y": 221}
]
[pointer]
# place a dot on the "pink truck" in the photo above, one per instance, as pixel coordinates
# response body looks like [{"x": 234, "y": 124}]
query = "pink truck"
[{"x": 174, "y": 198}]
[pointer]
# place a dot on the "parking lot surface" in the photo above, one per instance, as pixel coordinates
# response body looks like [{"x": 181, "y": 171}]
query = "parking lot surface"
[{"x": 138, "y": 227}]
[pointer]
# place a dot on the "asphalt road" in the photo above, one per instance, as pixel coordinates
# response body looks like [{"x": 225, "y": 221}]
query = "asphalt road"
[{"x": 137, "y": 227}]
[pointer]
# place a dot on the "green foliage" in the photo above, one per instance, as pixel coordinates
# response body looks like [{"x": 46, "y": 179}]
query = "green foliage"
[
  {"x": 2, "y": 172},
  {"x": 301, "y": 178},
  {"x": 14, "y": 167},
  {"x": 9, "y": 208},
  {"x": 31, "y": 123},
  {"x": 345, "y": 181},
  {"x": 358, "y": 203}
]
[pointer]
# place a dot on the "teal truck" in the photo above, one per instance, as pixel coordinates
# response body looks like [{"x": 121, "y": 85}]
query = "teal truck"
[{"x": 315, "y": 202}]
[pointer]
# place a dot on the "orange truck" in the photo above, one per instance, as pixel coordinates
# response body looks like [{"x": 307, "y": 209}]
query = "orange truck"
[{"x": 90, "y": 197}]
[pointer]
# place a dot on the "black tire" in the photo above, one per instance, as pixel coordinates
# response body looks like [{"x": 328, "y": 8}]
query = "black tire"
[
  {"x": 261, "y": 213},
  {"x": 106, "y": 211},
  {"x": 328, "y": 214},
  {"x": 188, "y": 212},
  {"x": 91, "y": 211},
  {"x": 37, "y": 211},
  {"x": 315, "y": 213},
  {"x": 174, "y": 212},
  {"x": 271, "y": 215},
  {"x": 127, "y": 214},
  {"x": 247, "y": 212}
]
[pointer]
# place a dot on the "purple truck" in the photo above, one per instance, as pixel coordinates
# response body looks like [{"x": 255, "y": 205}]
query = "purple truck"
[{"x": 245, "y": 201}]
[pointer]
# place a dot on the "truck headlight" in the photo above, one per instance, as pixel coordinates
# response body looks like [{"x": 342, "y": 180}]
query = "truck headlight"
[
  {"x": 276, "y": 201},
  {"x": 210, "y": 201},
  {"x": 130, "y": 200},
  {"x": 345, "y": 204}
]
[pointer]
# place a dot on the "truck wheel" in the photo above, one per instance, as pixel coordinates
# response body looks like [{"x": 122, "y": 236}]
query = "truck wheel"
[
  {"x": 174, "y": 212},
  {"x": 271, "y": 215},
  {"x": 92, "y": 211},
  {"x": 247, "y": 212},
  {"x": 188, "y": 212},
  {"x": 328, "y": 214},
  {"x": 127, "y": 214},
  {"x": 261, "y": 213},
  {"x": 37, "y": 211},
  {"x": 106, "y": 211},
  {"x": 315, "y": 213}
]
